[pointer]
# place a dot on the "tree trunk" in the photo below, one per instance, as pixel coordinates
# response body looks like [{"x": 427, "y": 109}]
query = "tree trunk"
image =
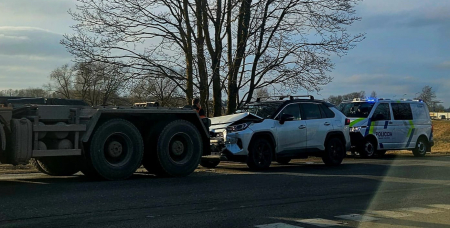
[
  {"x": 188, "y": 54},
  {"x": 216, "y": 57},
  {"x": 200, "y": 41},
  {"x": 243, "y": 24}
]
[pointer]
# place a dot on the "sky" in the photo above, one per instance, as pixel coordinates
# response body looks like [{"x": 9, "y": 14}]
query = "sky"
[{"x": 407, "y": 47}]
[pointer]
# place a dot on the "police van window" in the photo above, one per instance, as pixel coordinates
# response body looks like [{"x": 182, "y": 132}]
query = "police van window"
[
  {"x": 311, "y": 111},
  {"x": 356, "y": 109},
  {"x": 382, "y": 112},
  {"x": 402, "y": 111},
  {"x": 293, "y": 110},
  {"x": 419, "y": 112},
  {"x": 327, "y": 111}
]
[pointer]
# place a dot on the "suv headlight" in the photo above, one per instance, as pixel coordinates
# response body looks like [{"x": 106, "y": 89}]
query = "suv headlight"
[
  {"x": 355, "y": 129},
  {"x": 238, "y": 127}
]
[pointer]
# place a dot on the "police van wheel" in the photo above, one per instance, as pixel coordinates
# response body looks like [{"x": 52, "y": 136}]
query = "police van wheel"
[
  {"x": 368, "y": 149},
  {"x": 421, "y": 148}
]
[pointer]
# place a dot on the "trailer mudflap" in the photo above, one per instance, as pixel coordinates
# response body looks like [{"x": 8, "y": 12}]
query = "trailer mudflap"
[
  {"x": 2, "y": 138},
  {"x": 21, "y": 141}
]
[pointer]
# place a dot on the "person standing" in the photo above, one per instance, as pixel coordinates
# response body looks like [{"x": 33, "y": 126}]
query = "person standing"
[{"x": 196, "y": 105}]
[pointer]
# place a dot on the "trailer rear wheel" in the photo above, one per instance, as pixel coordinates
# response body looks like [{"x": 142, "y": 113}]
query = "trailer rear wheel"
[
  {"x": 115, "y": 152},
  {"x": 178, "y": 152},
  {"x": 56, "y": 166}
]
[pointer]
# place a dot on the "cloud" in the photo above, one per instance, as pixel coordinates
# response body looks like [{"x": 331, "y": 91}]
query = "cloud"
[
  {"x": 29, "y": 41},
  {"x": 371, "y": 7},
  {"x": 391, "y": 86},
  {"x": 49, "y": 14},
  {"x": 45, "y": 8},
  {"x": 444, "y": 65},
  {"x": 396, "y": 14},
  {"x": 20, "y": 72}
]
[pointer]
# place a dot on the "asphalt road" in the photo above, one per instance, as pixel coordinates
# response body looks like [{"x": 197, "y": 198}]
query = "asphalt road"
[{"x": 396, "y": 191}]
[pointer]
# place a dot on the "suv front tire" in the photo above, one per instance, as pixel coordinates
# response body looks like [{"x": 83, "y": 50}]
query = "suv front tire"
[
  {"x": 260, "y": 154},
  {"x": 334, "y": 152}
]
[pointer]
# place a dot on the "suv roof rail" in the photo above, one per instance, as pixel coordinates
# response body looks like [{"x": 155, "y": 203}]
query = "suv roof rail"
[
  {"x": 283, "y": 97},
  {"x": 311, "y": 97},
  {"x": 279, "y": 98}
]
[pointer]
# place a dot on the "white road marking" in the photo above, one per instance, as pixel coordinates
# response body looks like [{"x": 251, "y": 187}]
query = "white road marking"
[
  {"x": 320, "y": 222},
  {"x": 27, "y": 181},
  {"x": 421, "y": 210},
  {"x": 441, "y": 206},
  {"x": 277, "y": 225},
  {"x": 357, "y": 217},
  {"x": 390, "y": 214}
]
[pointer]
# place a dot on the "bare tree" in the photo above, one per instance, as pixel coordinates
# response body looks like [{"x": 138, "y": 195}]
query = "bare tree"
[
  {"x": 262, "y": 92},
  {"x": 373, "y": 94},
  {"x": 162, "y": 90},
  {"x": 30, "y": 92},
  {"x": 336, "y": 100},
  {"x": 148, "y": 37},
  {"x": 281, "y": 50},
  {"x": 268, "y": 42},
  {"x": 94, "y": 82},
  {"x": 428, "y": 95},
  {"x": 62, "y": 78},
  {"x": 97, "y": 83}
]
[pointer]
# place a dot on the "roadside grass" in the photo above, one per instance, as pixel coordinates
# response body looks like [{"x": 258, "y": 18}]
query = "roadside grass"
[{"x": 441, "y": 134}]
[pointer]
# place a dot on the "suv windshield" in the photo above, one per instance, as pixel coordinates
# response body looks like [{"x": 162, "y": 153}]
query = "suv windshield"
[
  {"x": 356, "y": 109},
  {"x": 263, "y": 110}
]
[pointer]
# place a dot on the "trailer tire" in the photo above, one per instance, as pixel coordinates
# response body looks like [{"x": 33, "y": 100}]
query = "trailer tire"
[
  {"x": 179, "y": 150},
  {"x": 115, "y": 151},
  {"x": 56, "y": 166}
]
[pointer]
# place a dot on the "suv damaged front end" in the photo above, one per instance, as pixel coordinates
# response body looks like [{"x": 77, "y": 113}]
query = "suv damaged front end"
[
  {"x": 237, "y": 140},
  {"x": 222, "y": 126}
]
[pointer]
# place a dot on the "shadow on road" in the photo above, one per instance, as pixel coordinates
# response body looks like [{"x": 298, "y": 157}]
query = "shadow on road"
[{"x": 232, "y": 194}]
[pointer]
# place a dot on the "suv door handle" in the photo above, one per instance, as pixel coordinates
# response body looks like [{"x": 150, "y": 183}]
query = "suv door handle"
[
  {"x": 390, "y": 122},
  {"x": 302, "y": 127},
  {"x": 326, "y": 124}
]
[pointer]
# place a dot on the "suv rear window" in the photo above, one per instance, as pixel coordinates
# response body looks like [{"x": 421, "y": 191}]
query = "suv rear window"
[
  {"x": 311, "y": 111},
  {"x": 327, "y": 111},
  {"x": 402, "y": 111}
]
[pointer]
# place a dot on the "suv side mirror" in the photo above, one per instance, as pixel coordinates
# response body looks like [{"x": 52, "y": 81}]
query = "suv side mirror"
[{"x": 286, "y": 117}]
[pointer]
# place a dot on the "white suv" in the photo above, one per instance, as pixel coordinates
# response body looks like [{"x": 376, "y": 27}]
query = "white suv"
[{"x": 285, "y": 129}]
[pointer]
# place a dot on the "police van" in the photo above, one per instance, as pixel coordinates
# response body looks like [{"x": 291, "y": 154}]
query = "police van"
[{"x": 378, "y": 125}]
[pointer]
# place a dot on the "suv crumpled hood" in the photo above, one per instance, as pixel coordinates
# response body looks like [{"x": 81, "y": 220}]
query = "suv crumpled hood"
[{"x": 222, "y": 122}]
